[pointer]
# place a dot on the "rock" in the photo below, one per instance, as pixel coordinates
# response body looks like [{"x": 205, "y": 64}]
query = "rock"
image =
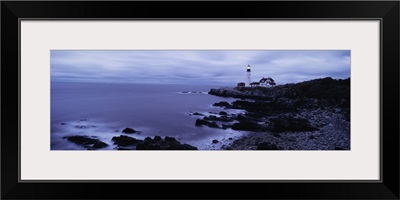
[
  {"x": 120, "y": 148},
  {"x": 223, "y": 113},
  {"x": 201, "y": 122},
  {"x": 241, "y": 117},
  {"x": 169, "y": 139},
  {"x": 81, "y": 127},
  {"x": 157, "y": 138},
  {"x": 284, "y": 124},
  {"x": 215, "y": 118},
  {"x": 99, "y": 145},
  {"x": 87, "y": 142},
  {"x": 267, "y": 146},
  {"x": 224, "y": 126},
  {"x": 212, "y": 117},
  {"x": 222, "y": 104},
  {"x": 246, "y": 125},
  {"x": 199, "y": 114},
  {"x": 124, "y": 141},
  {"x": 311, "y": 137},
  {"x": 230, "y": 138},
  {"x": 129, "y": 130},
  {"x": 169, "y": 143},
  {"x": 147, "y": 145},
  {"x": 63, "y": 123},
  {"x": 213, "y": 125},
  {"x": 215, "y": 141},
  {"x": 238, "y": 92}
]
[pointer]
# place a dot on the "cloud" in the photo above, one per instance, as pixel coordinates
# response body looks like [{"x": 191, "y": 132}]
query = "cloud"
[{"x": 221, "y": 67}]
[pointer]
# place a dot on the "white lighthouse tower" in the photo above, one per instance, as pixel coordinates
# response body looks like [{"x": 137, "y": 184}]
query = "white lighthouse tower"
[{"x": 248, "y": 75}]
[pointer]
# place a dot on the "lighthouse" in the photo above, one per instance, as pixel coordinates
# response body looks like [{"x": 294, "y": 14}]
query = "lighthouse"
[{"x": 248, "y": 78}]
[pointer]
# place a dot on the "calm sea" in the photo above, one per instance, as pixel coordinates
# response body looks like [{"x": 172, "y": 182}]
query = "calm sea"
[{"x": 104, "y": 109}]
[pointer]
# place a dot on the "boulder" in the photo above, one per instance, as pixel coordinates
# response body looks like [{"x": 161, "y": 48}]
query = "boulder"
[
  {"x": 169, "y": 139},
  {"x": 169, "y": 143},
  {"x": 124, "y": 141},
  {"x": 87, "y": 142},
  {"x": 157, "y": 138},
  {"x": 223, "y": 113},
  {"x": 202, "y": 122},
  {"x": 215, "y": 141},
  {"x": 222, "y": 104},
  {"x": 129, "y": 130}
]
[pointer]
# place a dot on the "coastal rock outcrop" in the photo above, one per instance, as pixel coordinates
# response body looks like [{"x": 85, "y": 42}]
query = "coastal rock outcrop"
[
  {"x": 124, "y": 141},
  {"x": 157, "y": 143},
  {"x": 312, "y": 114},
  {"x": 202, "y": 122},
  {"x": 129, "y": 130},
  {"x": 169, "y": 143},
  {"x": 91, "y": 143}
]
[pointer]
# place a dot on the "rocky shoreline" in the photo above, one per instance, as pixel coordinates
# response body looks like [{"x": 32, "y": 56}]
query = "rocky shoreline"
[
  {"x": 312, "y": 115},
  {"x": 124, "y": 142}
]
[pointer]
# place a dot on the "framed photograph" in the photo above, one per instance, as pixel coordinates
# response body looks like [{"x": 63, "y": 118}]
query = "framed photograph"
[{"x": 289, "y": 96}]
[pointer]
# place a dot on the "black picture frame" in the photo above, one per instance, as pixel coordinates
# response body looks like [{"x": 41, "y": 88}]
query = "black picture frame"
[{"x": 386, "y": 11}]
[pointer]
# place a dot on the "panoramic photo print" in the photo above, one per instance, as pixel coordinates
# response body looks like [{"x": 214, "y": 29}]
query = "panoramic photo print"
[{"x": 200, "y": 99}]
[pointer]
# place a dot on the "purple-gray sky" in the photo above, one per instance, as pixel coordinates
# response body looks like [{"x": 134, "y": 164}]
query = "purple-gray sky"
[{"x": 209, "y": 67}]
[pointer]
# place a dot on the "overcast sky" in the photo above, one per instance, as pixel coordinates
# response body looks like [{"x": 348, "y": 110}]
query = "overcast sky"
[{"x": 209, "y": 67}]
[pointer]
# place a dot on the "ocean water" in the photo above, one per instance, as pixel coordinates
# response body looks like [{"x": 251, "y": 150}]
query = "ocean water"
[{"x": 105, "y": 109}]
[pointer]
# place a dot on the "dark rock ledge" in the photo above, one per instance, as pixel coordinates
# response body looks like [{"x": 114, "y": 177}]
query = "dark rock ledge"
[
  {"x": 157, "y": 143},
  {"x": 91, "y": 143}
]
